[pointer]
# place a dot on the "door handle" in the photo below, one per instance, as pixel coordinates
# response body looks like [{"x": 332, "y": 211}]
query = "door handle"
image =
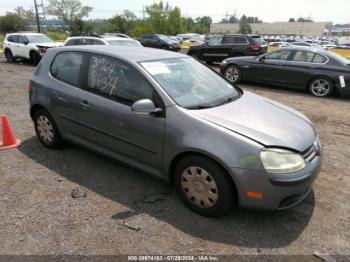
[{"x": 85, "y": 105}]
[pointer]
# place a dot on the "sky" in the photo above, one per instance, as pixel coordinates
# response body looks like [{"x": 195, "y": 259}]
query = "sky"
[{"x": 336, "y": 11}]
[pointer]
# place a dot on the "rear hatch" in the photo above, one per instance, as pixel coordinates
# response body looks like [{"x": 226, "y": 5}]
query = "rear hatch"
[{"x": 257, "y": 40}]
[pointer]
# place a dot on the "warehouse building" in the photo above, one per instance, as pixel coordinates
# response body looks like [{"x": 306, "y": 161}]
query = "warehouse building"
[{"x": 312, "y": 29}]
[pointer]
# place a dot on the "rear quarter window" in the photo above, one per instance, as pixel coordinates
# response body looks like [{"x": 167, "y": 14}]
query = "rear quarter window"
[
  {"x": 12, "y": 38},
  {"x": 66, "y": 67}
]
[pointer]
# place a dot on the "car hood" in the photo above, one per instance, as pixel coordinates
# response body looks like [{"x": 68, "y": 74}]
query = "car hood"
[
  {"x": 48, "y": 44},
  {"x": 264, "y": 121}
]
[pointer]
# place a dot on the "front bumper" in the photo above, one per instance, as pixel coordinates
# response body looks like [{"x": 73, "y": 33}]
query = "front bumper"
[{"x": 278, "y": 191}]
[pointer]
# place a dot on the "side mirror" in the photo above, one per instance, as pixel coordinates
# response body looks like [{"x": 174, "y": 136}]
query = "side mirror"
[
  {"x": 145, "y": 107},
  {"x": 26, "y": 42},
  {"x": 260, "y": 59}
]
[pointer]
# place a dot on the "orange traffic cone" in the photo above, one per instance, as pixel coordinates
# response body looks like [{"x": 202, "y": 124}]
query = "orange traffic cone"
[{"x": 9, "y": 139}]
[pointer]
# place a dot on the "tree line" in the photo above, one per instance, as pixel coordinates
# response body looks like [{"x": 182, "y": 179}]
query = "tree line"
[{"x": 159, "y": 18}]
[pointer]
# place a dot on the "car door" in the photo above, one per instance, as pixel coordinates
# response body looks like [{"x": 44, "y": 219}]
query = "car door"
[
  {"x": 211, "y": 51},
  {"x": 303, "y": 66},
  {"x": 147, "y": 41},
  {"x": 108, "y": 123},
  {"x": 22, "y": 49},
  {"x": 270, "y": 68},
  {"x": 64, "y": 90}
]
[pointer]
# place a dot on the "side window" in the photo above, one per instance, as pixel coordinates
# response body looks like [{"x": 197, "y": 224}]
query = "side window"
[
  {"x": 22, "y": 39},
  {"x": 228, "y": 40},
  {"x": 13, "y": 38},
  {"x": 118, "y": 81},
  {"x": 66, "y": 67},
  {"x": 70, "y": 42},
  {"x": 278, "y": 55},
  {"x": 214, "y": 41},
  {"x": 239, "y": 40},
  {"x": 319, "y": 59},
  {"x": 97, "y": 42},
  {"x": 303, "y": 56}
]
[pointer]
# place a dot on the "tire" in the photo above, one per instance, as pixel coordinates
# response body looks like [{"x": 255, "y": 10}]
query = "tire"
[
  {"x": 9, "y": 56},
  {"x": 204, "y": 186},
  {"x": 34, "y": 58},
  {"x": 321, "y": 86},
  {"x": 46, "y": 130},
  {"x": 233, "y": 74}
]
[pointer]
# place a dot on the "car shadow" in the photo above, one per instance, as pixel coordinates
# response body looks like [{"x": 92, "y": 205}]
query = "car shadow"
[{"x": 143, "y": 194}]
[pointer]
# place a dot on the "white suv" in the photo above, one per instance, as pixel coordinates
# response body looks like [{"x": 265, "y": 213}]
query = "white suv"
[{"x": 30, "y": 46}]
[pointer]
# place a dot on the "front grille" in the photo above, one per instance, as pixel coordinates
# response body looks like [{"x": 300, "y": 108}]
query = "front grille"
[{"x": 312, "y": 151}]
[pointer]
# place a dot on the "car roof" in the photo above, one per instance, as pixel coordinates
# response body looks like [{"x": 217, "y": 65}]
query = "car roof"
[
  {"x": 117, "y": 38},
  {"x": 24, "y": 33},
  {"x": 307, "y": 48},
  {"x": 132, "y": 54},
  {"x": 85, "y": 37}
]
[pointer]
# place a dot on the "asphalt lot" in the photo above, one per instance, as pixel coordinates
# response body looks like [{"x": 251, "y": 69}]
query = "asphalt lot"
[{"x": 128, "y": 212}]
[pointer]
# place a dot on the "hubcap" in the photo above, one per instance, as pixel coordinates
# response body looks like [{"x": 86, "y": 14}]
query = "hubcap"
[
  {"x": 199, "y": 187},
  {"x": 45, "y": 129},
  {"x": 320, "y": 87},
  {"x": 232, "y": 74}
]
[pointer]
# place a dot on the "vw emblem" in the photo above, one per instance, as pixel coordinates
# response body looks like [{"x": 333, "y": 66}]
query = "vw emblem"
[{"x": 317, "y": 147}]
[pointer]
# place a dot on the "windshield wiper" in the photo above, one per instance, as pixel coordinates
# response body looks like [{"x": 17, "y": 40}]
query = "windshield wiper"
[
  {"x": 200, "y": 107},
  {"x": 228, "y": 100}
]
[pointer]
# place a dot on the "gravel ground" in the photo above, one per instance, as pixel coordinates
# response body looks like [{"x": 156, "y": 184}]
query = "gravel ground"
[{"x": 120, "y": 210}]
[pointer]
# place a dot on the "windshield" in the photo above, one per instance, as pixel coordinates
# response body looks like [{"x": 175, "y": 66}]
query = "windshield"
[
  {"x": 39, "y": 39},
  {"x": 124, "y": 43},
  {"x": 191, "y": 84}
]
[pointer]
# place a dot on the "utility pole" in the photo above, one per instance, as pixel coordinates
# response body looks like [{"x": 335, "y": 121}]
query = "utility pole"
[{"x": 37, "y": 16}]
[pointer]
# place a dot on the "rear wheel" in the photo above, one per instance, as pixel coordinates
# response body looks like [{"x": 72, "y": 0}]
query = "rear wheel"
[
  {"x": 233, "y": 74},
  {"x": 321, "y": 87},
  {"x": 46, "y": 130},
  {"x": 9, "y": 56},
  {"x": 204, "y": 186}
]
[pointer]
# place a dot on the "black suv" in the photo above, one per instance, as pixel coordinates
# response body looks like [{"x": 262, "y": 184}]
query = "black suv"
[
  {"x": 219, "y": 48},
  {"x": 159, "y": 41}
]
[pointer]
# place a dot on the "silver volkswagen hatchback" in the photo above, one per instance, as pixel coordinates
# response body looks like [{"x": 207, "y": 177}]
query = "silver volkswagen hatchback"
[{"x": 173, "y": 117}]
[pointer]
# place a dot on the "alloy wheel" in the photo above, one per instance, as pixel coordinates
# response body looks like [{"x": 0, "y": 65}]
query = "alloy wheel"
[
  {"x": 320, "y": 87},
  {"x": 232, "y": 74},
  {"x": 199, "y": 187},
  {"x": 45, "y": 129}
]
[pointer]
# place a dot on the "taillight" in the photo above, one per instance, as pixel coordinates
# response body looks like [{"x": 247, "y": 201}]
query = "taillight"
[
  {"x": 255, "y": 47},
  {"x": 30, "y": 85}
]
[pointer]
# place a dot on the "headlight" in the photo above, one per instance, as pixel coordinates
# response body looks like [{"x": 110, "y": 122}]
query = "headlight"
[
  {"x": 279, "y": 161},
  {"x": 224, "y": 62}
]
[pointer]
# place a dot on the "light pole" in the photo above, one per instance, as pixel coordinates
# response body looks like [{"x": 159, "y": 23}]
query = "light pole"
[{"x": 37, "y": 16}]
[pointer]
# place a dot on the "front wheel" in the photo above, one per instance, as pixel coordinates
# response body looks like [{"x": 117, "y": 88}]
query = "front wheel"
[
  {"x": 204, "y": 186},
  {"x": 46, "y": 130},
  {"x": 233, "y": 74},
  {"x": 321, "y": 87},
  {"x": 34, "y": 58}
]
